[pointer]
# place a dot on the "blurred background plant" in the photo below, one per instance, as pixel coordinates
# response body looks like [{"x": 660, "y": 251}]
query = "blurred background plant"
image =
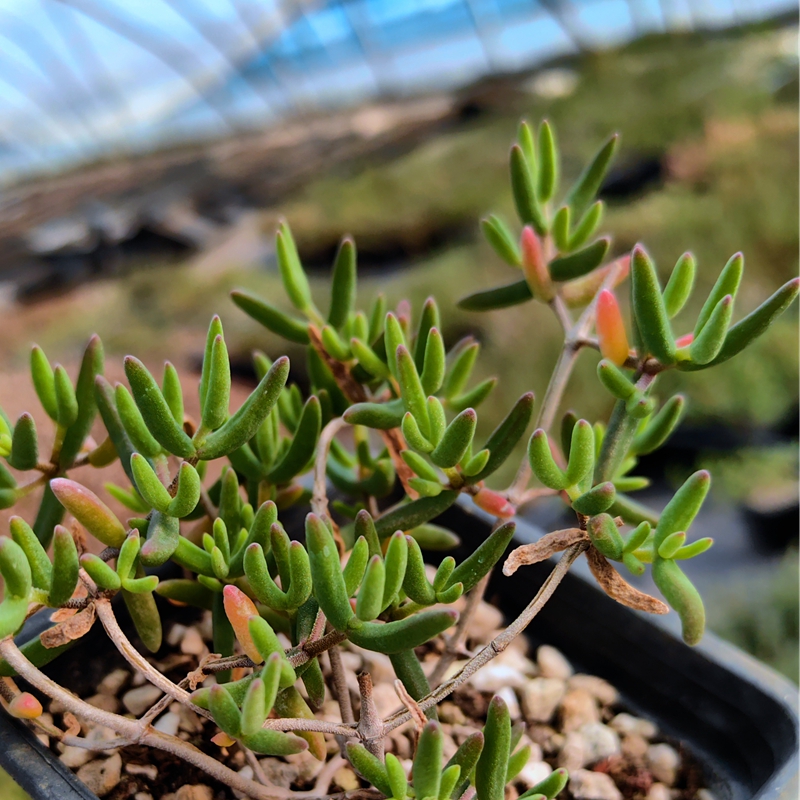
[{"x": 135, "y": 147}]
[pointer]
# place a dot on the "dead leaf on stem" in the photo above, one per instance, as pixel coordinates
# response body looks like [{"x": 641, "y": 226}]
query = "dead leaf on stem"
[
  {"x": 616, "y": 587},
  {"x": 547, "y": 546},
  {"x": 70, "y": 629}
]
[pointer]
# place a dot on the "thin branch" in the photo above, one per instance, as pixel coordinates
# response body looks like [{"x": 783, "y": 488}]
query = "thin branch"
[
  {"x": 370, "y": 725},
  {"x": 319, "y": 497},
  {"x": 499, "y": 643},
  {"x": 135, "y": 658}
]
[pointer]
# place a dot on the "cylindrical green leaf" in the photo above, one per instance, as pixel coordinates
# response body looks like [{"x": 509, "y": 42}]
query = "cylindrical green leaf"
[
  {"x": 369, "y": 766},
  {"x": 398, "y": 781},
  {"x": 66, "y": 401},
  {"x": 395, "y": 564},
  {"x": 271, "y": 318},
  {"x": 754, "y": 324},
  {"x": 680, "y": 284},
  {"x": 681, "y": 594},
  {"x": 41, "y": 568},
  {"x": 561, "y": 226},
  {"x": 294, "y": 277},
  {"x": 144, "y": 614},
  {"x": 15, "y": 568},
  {"x": 415, "y": 581},
  {"x": 543, "y": 464},
  {"x": 343, "y": 283},
  {"x": 587, "y": 185},
  {"x": 149, "y": 486},
  {"x": 470, "y": 571},
  {"x": 155, "y": 411},
  {"x": 512, "y": 294},
  {"x": 581, "y": 453},
  {"x": 242, "y": 426},
  {"x": 456, "y": 440},
  {"x": 383, "y": 416},
  {"x": 187, "y": 496},
  {"x": 326, "y": 573},
  {"x": 429, "y": 318},
  {"x": 506, "y": 436},
  {"x": 393, "y": 637},
  {"x": 433, "y": 370},
  {"x": 353, "y": 571},
  {"x": 681, "y": 510},
  {"x": 649, "y": 310},
  {"x": 460, "y": 369},
  {"x": 172, "y": 391},
  {"x": 474, "y": 397},
  {"x": 466, "y": 757},
  {"x": 587, "y": 226},
  {"x": 43, "y": 382},
  {"x": 660, "y": 427},
  {"x": 501, "y": 239},
  {"x": 413, "y": 435},
  {"x": 103, "y": 575},
  {"x": 708, "y": 343},
  {"x": 163, "y": 534},
  {"x": 598, "y": 499},
  {"x": 575, "y": 265},
  {"x": 490, "y": 771},
  {"x": 615, "y": 380},
  {"x": 226, "y": 712},
  {"x": 24, "y": 444},
  {"x": 267, "y": 643},
  {"x": 411, "y": 389},
  {"x": 303, "y": 444},
  {"x": 417, "y": 512},
  {"x": 551, "y": 786},
  {"x": 547, "y": 167},
  {"x": 727, "y": 284},
  {"x": 133, "y": 424},
  {"x": 605, "y": 536},
  {"x": 369, "y": 602},
  {"x": 218, "y": 391},
  {"x": 524, "y": 190},
  {"x": 65, "y": 567},
  {"x": 427, "y": 775}
]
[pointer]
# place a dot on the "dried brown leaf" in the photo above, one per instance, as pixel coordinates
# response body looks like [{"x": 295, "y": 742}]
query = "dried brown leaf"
[
  {"x": 547, "y": 546},
  {"x": 73, "y": 727},
  {"x": 417, "y": 714},
  {"x": 70, "y": 629},
  {"x": 616, "y": 587},
  {"x": 62, "y": 614}
]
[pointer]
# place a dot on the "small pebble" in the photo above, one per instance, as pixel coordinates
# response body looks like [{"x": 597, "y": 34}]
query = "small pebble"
[
  {"x": 74, "y": 757},
  {"x": 451, "y": 714},
  {"x": 587, "y": 785},
  {"x": 533, "y": 772},
  {"x": 175, "y": 634},
  {"x": 113, "y": 682},
  {"x": 143, "y": 796},
  {"x": 105, "y": 702},
  {"x": 601, "y": 741},
  {"x": 168, "y": 723},
  {"x": 192, "y": 643},
  {"x": 627, "y": 723},
  {"x": 634, "y": 746},
  {"x": 540, "y": 698},
  {"x": 578, "y": 708},
  {"x": 485, "y": 623},
  {"x": 102, "y": 775},
  {"x": 705, "y": 794},
  {"x": 494, "y": 677},
  {"x": 198, "y": 791},
  {"x": 246, "y": 772},
  {"x": 552, "y": 664},
  {"x": 100, "y": 735},
  {"x": 601, "y": 690},
  {"x": 150, "y": 771},
  {"x": 510, "y": 697},
  {"x": 138, "y": 700},
  {"x": 659, "y": 791},
  {"x": 346, "y": 779},
  {"x": 663, "y": 761}
]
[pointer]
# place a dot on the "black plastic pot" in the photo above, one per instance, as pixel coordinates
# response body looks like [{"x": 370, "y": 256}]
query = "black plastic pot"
[{"x": 737, "y": 716}]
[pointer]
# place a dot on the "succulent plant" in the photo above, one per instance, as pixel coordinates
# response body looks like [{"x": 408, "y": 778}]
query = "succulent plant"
[{"x": 356, "y": 575}]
